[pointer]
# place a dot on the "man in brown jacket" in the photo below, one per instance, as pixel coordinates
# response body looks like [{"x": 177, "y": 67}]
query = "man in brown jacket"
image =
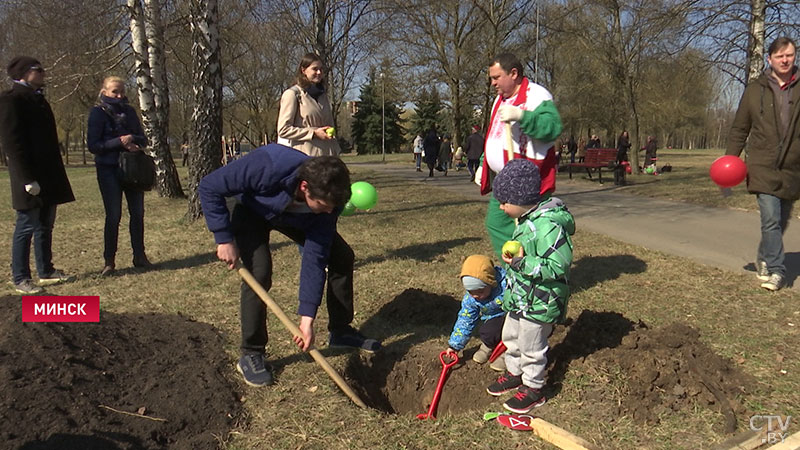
[{"x": 768, "y": 113}]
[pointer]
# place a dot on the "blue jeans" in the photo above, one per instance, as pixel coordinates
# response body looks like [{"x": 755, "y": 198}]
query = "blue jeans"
[
  {"x": 472, "y": 166},
  {"x": 111, "y": 190},
  {"x": 775, "y": 213},
  {"x": 36, "y": 224},
  {"x": 418, "y": 159}
]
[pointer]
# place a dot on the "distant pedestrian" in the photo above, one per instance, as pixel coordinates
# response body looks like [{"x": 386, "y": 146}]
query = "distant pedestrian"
[
  {"x": 581, "y": 155},
  {"x": 474, "y": 149},
  {"x": 623, "y": 145},
  {"x": 418, "y": 152},
  {"x": 445, "y": 154},
  {"x": 650, "y": 152},
  {"x": 594, "y": 142},
  {"x": 185, "y": 151},
  {"x": 431, "y": 147}
]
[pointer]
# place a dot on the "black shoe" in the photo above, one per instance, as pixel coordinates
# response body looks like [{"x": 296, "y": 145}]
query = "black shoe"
[
  {"x": 525, "y": 400},
  {"x": 351, "y": 338},
  {"x": 108, "y": 270},
  {"x": 142, "y": 262},
  {"x": 255, "y": 371},
  {"x": 504, "y": 383}
]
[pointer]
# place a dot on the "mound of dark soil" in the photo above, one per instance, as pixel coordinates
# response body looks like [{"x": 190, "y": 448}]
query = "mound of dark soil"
[
  {"x": 70, "y": 385},
  {"x": 669, "y": 370},
  {"x": 662, "y": 370}
]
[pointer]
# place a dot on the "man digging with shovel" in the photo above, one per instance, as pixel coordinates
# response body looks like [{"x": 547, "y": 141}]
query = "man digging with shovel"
[{"x": 278, "y": 188}]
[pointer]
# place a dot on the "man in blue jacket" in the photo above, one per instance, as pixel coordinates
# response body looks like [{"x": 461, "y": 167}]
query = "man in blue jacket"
[{"x": 278, "y": 188}]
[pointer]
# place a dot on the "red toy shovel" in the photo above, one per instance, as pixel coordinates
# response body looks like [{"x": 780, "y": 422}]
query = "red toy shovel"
[
  {"x": 498, "y": 350},
  {"x": 438, "y": 393}
]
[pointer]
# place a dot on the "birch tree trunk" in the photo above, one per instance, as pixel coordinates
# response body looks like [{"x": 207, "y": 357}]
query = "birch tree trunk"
[
  {"x": 755, "y": 51},
  {"x": 206, "y": 152},
  {"x": 167, "y": 180}
]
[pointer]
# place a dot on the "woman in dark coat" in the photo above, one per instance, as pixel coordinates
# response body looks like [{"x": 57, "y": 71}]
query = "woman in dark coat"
[
  {"x": 114, "y": 128},
  {"x": 430, "y": 145},
  {"x": 623, "y": 145}
]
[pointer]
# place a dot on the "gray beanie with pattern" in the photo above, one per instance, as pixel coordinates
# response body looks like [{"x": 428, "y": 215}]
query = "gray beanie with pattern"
[{"x": 518, "y": 183}]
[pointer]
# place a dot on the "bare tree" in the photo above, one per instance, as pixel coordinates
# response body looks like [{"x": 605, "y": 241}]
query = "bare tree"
[
  {"x": 734, "y": 33},
  {"x": 147, "y": 42},
  {"x": 342, "y": 32},
  {"x": 505, "y": 27},
  {"x": 207, "y": 81},
  {"x": 631, "y": 33},
  {"x": 755, "y": 50}
]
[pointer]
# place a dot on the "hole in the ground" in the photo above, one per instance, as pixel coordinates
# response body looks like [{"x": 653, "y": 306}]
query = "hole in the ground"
[
  {"x": 403, "y": 382},
  {"x": 401, "y": 378}
]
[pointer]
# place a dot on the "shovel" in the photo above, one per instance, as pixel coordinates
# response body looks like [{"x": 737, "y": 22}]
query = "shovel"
[
  {"x": 498, "y": 350},
  {"x": 438, "y": 393},
  {"x": 259, "y": 290}
]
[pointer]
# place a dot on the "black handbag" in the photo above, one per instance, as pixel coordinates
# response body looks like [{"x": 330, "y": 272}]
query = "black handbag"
[{"x": 137, "y": 170}]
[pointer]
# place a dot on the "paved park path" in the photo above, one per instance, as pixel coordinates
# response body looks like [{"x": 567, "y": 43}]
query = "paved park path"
[{"x": 718, "y": 237}]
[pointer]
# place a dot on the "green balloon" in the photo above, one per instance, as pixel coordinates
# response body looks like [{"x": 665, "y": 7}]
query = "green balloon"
[
  {"x": 363, "y": 195},
  {"x": 349, "y": 209},
  {"x": 650, "y": 170}
]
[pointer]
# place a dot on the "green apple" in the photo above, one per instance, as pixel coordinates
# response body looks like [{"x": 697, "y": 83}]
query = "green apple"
[
  {"x": 511, "y": 248},
  {"x": 330, "y": 131}
]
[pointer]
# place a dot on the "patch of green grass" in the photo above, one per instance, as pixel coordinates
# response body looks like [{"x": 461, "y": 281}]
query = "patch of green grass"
[
  {"x": 689, "y": 181},
  {"x": 417, "y": 237}
]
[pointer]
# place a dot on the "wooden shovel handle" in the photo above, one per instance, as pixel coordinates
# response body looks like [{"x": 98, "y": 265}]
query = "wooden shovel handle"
[
  {"x": 262, "y": 294},
  {"x": 509, "y": 142},
  {"x": 559, "y": 437}
]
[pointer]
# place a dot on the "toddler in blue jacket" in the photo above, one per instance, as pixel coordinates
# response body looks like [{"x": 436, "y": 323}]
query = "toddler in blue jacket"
[{"x": 485, "y": 284}]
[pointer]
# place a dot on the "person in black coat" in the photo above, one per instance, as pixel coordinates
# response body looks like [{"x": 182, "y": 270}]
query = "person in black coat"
[
  {"x": 431, "y": 147},
  {"x": 572, "y": 148},
  {"x": 474, "y": 149},
  {"x": 114, "y": 128},
  {"x": 623, "y": 145},
  {"x": 38, "y": 179}
]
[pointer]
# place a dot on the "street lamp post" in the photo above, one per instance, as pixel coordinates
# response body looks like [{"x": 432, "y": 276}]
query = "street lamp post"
[
  {"x": 249, "y": 140},
  {"x": 383, "y": 118}
]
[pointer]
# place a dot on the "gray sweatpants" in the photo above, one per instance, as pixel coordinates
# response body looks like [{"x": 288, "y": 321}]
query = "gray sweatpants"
[{"x": 526, "y": 344}]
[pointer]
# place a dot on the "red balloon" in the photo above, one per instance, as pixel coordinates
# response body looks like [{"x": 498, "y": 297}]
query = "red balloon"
[{"x": 728, "y": 171}]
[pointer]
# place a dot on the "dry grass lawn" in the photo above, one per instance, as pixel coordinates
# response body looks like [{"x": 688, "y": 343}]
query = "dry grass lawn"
[{"x": 416, "y": 237}]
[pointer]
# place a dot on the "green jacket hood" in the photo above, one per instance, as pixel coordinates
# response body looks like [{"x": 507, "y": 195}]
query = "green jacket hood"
[{"x": 556, "y": 210}]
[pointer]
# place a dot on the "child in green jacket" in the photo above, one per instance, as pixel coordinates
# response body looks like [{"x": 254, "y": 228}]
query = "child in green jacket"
[{"x": 537, "y": 293}]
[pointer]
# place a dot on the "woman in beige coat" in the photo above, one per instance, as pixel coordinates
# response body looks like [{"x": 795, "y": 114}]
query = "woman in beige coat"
[{"x": 306, "y": 117}]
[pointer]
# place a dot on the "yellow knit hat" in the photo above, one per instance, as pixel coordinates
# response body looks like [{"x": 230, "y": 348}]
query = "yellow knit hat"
[{"x": 480, "y": 267}]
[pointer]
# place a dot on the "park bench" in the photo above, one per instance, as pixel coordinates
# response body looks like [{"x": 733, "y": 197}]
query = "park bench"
[{"x": 596, "y": 158}]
